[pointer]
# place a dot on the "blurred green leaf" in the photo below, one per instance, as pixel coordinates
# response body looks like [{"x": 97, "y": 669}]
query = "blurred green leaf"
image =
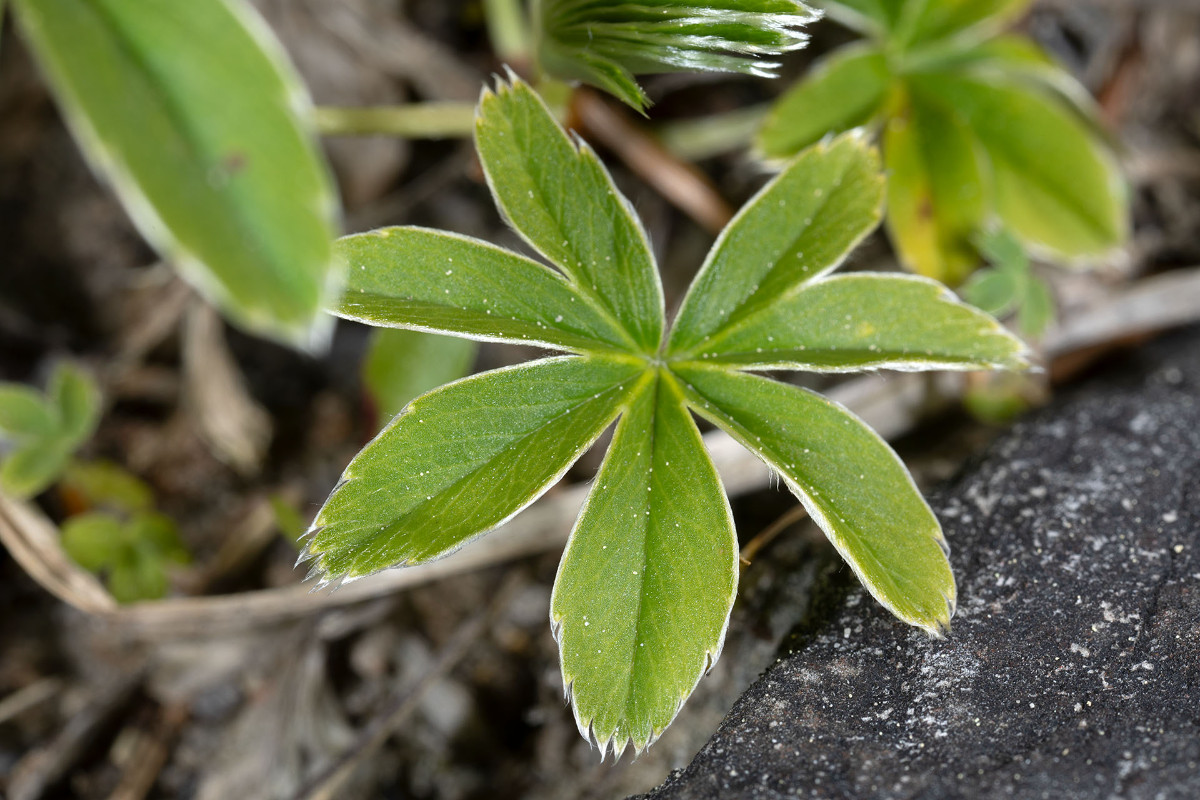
[
  {"x": 137, "y": 576},
  {"x": 131, "y": 554},
  {"x": 846, "y": 89},
  {"x": 936, "y": 192},
  {"x": 191, "y": 111},
  {"x": 1037, "y": 311},
  {"x": 157, "y": 536},
  {"x": 402, "y": 364},
  {"x": 287, "y": 518},
  {"x": 1022, "y": 62},
  {"x": 606, "y": 44},
  {"x": 1003, "y": 250},
  {"x": 104, "y": 483},
  {"x": 24, "y": 413},
  {"x": 77, "y": 399},
  {"x": 33, "y": 467},
  {"x": 874, "y": 18},
  {"x": 932, "y": 20},
  {"x": 992, "y": 290},
  {"x": 907, "y": 23},
  {"x": 1000, "y": 398},
  {"x": 94, "y": 540},
  {"x": 1054, "y": 186}
]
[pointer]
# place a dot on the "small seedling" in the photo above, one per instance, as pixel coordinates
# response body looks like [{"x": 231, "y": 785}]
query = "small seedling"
[
  {"x": 645, "y": 588},
  {"x": 979, "y": 130},
  {"x": 1010, "y": 285},
  {"x": 42, "y": 432},
  {"x": 121, "y": 537}
]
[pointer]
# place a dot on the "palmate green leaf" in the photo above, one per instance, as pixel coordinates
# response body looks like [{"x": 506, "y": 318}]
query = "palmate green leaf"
[
  {"x": 463, "y": 459},
  {"x": 850, "y": 482},
  {"x": 649, "y": 576},
  {"x": 862, "y": 321},
  {"x": 559, "y": 197},
  {"x": 606, "y": 44},
  {"x": 843, "y": 91},
  {"x": 798, "y": 228},
  {"x": 645, "y": 587},
  {"x": 1053, "y": 183},
  {"x": 434, "y": 281},
  {"x": 937, "y": 197},
  {"x": 401, "y": 365},
  {"x": 190, "y": 111}
]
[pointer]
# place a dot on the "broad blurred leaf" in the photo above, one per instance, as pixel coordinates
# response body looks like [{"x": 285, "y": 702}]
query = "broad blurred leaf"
[
  {"x": 104, "y": 483},
  {"x": 994, "y": 291},
  {"x": 32, "y": 467},
  {"x": 191, "y": 112},
  {"x": 24, "y": 412},
  {"x": 157, "y": 535},
  {"x": 430, "y": 280},
  {"x": 558, "y": 195},
  {"x": 1003, "y": 250},
  {"x": 798, "y": 228},
  {"x": 288, "y": 519},
  {"x": 913, "y": 22},
  {"x": 1010, "y": 285},
  {"x": 873, "y": 18},
  {"x": 94, "y": 540},
  {"x": 463, "y": 459},
  {"x": 401, "y": 365},
  {"x": 1036, "y": 312},
  {"x": 137, "y": 575},
  {"x": 936, "y": 193},
  {"x": 845, "y": 90},
  {"x": 848, "y": 479},
  {"x": 606, "y": 44},
  {"x": 1054, "y": 185},
  {"x": 132, "y": 553},
  {"x": 648, "y": 579},
  {"x": 1020, "y": 61},
  {"x": 938, "y": 19},
  {"x": 77, "y": 399},
  {"x": 866, "y": 321}
]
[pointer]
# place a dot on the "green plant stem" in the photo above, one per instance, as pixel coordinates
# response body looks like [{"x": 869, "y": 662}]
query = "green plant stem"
[
  {"x": 705, "y": 137},
  {"x": 508, "y": 29},
  {"x": 418, "y": 121}
]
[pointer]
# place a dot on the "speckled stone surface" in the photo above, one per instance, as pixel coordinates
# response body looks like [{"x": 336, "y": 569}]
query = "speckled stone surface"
[{"x": 1073, "y": 668}]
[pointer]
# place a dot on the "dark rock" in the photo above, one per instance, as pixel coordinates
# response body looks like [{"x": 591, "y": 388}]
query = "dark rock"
[{"x": 1073, "y": 669}]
